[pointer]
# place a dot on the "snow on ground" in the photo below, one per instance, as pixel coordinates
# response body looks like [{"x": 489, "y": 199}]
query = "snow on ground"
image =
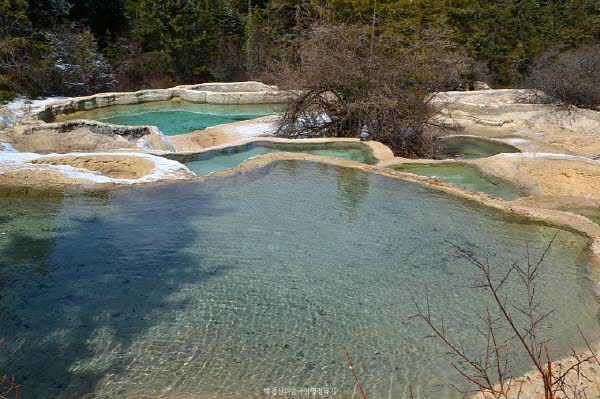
[
  {"x": 7, "y": 147},
  {"x": 546, "y": 155},
  {"x": 142, "y": 144},
  {"x": 163, "y": 168},
  {"x": 516, "y": 141},
  {"x": 254, "y": 129},
  {"x": 21, "y": 105}
]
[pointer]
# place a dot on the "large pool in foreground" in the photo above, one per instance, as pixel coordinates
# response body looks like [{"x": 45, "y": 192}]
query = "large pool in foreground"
[
  {"x": 232, "y": 285},
  {"x": 230, "y": 157},
  {"x": 175, "y": 117}
]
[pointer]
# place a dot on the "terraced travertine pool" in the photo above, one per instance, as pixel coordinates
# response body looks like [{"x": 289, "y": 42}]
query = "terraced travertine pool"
[
  {"x": 236, "y": 284},
  {"x": 464, "y": 175},
  {"x": 230, "y": 157},
  {"x": 175, "y": 117},
  {"x": 471, "y": 147}
]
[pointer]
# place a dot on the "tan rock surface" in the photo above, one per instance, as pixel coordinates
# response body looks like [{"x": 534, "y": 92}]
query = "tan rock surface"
[
  {"x": 523, "y": 113},
  {"x": 79, "y": 135},
  {"x": 224, "y": 134},
  {"x": 530, "y": 386},
  {"x": 88, "y": 169},
  {"x": 546, "y": 174},
  {"x": 41, "y": 179},
  {"x": 113, "y": 166}
]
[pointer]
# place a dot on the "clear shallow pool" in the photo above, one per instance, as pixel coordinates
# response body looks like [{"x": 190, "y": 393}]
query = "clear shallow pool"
[
  {"x": 228, "y": 286},
  {"x": 230, "y": 157},
  {"x": 463, "y": 175},
  {"x": 468, "y": 147},
  {"x": 175, "y": 117}
]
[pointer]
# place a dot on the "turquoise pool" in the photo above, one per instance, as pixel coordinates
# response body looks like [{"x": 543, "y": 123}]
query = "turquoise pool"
[
  {"x": 230, "y": 157},
  {"x": 175, "y": 117},
  {"x": 463, "y": 175},
  {"x": 469, "y": 147},
  {"x": 231, "y": 285}
]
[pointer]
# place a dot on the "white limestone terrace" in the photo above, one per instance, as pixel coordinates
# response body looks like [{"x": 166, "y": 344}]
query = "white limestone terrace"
[
  {"x": 150, "y": 168},
  {"x": 235, "y": 93},
  {"x": 548, "y": 155},
  {"x": 82, "y": 135},
  {"x": 37, "y": 126},
  {"x": 522, "y": 114}
]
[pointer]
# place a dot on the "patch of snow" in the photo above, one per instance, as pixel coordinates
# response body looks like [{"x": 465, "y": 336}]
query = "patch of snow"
[
  {"x": 163, "y": 168},
  {"x": 66, "y": 170},
  {"x": 4, "y": 120},
  {"x": 160, "y": 134},
  {"x": 547, "y": 155},
  {"x": 22, "y": 105},
  {"x": 4, "y": 146},
  {"x": 517, "y": 141},
  {"x": 17, "y": 157},
  {"x": 143, "y": 144},
  {"x": 254, "y": 129}
]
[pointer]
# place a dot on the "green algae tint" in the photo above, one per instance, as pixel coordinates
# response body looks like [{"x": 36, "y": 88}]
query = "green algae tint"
[
  {"x": 591, "y": 213},
  {"x": 233, "y": 285},
  {"x": 230, "y": 157},
  {"x": 467, "y": 147},
  {"x": 175, "y": 117},
  {"x": 463, "y": 175}
]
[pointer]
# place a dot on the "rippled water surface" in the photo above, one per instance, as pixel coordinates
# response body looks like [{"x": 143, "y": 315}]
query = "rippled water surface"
[
  {"x": 175, "y": 117},
  {"x": 229, "y": 286},
  {"x": 230, "y": 157}
]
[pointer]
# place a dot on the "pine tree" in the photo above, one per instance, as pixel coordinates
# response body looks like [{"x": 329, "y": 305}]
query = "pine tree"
[
  {"x": 177, "y": 36},
  {"x": 25, "y": 58}
]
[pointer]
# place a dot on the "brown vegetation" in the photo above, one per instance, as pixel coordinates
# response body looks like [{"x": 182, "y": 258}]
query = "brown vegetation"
[
  {"x": 489, "y": 374},
  {"x": 349, "y": 81},
  {"x": 571, "y": 77},
  {"x": 8, "y": 388}
]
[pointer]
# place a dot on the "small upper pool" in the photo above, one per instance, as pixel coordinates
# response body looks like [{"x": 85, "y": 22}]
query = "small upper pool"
[
  {"x": 463, "y": 175},
  {"x": 174, "y": 117},
  {"x": 469, "y": 147},
  {"x": 230, "y": 157}
]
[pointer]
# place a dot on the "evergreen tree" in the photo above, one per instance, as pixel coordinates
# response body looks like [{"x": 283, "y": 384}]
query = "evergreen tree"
[
  {"x": 177, "y": 37},
  {"x": 153, "y": 43},
  {"x": 25, "y": 57}
]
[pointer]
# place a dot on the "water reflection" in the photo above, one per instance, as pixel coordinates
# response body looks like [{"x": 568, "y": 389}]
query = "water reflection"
[{"x": 353, "y": 188}]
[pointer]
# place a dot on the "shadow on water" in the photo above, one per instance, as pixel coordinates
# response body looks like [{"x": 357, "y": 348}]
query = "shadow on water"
[
  {"x": 100, "y": 264},
  {"x": 185, "y": 290}
]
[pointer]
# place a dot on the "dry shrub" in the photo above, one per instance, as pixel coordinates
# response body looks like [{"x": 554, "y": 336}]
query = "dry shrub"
[
  {"x": 349, "y": 81},
  {"x": 571, "y": 77},
  {"x": 510, "y": 325}
]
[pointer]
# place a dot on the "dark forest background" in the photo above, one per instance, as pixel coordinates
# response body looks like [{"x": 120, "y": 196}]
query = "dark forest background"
[{"x": 74, "y": 47}]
